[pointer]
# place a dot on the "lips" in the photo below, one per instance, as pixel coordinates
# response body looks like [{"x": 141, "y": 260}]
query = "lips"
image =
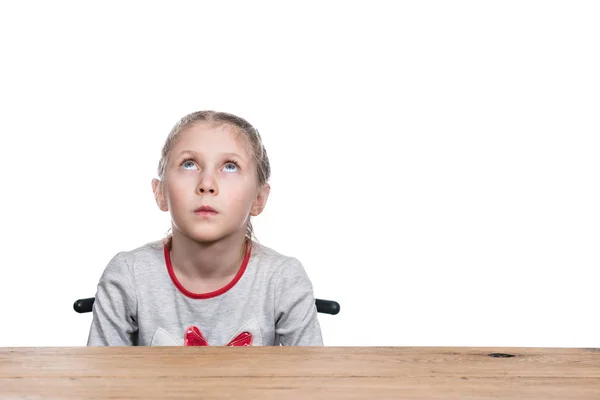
[{"x": 205, "y": 210}]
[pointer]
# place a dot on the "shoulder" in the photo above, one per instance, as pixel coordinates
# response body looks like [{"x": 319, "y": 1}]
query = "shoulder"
[
  {"x": 268, "y": 258},
  {"x": 147, "y": 252},
  {"x": 128, "y": 261},
  {"x": 277, "y": 265}
]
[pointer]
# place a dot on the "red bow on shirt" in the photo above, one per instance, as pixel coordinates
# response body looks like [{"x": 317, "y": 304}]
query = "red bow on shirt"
[{"x": 194, "y": 337}]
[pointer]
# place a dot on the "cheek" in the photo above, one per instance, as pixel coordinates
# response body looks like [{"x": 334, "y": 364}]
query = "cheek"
[
  {"x": 175, "y": 193},
  {"x": 240, "y": 194}
]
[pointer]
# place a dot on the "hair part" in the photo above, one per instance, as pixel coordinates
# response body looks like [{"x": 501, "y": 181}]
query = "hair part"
[{"x": 253, "y": 139}]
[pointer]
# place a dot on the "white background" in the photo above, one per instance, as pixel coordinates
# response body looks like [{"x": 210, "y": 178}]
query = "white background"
[{"x": 435, "y": 165}]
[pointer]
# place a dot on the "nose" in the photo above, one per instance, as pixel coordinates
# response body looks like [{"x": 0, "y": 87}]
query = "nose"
[{"x": 207, "y": 184}]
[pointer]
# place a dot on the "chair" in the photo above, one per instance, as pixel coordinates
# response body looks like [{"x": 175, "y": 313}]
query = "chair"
[{"x": 323, "y": 306}]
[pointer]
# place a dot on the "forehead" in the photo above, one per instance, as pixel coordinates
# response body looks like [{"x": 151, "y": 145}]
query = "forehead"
[{"x": 210, "y": 137}]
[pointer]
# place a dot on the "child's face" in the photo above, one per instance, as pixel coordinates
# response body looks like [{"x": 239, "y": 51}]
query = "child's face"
[{"x": 210, "y": 166}]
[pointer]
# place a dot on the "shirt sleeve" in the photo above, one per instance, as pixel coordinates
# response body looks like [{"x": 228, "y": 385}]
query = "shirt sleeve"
[
  {"x": 114, "y": 320},
  {"x": 296, "y": 321}
]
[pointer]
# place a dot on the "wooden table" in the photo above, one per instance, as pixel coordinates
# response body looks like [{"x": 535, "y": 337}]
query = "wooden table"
[{"x": 298, "y": 373}]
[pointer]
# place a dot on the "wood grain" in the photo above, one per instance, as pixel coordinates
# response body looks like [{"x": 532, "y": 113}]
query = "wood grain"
[{"x": 298, "y": 372}]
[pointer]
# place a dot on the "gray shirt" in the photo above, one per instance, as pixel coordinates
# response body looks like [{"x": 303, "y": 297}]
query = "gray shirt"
[{"x": 140, "y": 302}]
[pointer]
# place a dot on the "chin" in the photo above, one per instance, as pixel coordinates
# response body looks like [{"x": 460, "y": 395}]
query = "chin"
[
  {"x": 206, "y": 238},
  {"x": 208, "y": 235}
]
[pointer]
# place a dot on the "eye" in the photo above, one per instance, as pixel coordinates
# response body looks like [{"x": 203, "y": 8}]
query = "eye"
[
  {"x": 188, "y": 165},
  {"x": 231, "y": 166}
]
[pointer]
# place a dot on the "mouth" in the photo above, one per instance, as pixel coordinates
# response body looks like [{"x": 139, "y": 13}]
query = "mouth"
[{"x": 205, "y": 210}]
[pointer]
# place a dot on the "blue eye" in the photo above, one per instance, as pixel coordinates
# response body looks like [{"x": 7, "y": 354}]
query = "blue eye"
[
  {"x": 188, "y": 165},
  {"x": 230, "y": 167}
]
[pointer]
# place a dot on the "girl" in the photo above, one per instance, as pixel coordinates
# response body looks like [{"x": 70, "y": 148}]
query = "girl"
[{"x": 208, "y": 283}]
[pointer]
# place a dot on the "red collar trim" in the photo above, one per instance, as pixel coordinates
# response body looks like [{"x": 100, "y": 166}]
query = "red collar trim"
[{"x": 216, "y": 293}]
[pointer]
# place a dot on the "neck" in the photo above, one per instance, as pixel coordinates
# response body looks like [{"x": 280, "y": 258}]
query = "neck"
[{"x": 207, "y": 260}]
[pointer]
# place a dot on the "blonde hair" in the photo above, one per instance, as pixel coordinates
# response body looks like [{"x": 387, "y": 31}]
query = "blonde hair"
[{"x": 259, "y": 153}]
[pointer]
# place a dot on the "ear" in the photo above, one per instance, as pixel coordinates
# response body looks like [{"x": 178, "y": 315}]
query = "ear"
[
  {"x": 261, "y": 200},
  {"x": 159, "y": 195}
]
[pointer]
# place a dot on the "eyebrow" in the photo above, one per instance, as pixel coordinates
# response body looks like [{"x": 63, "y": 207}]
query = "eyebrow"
[{"x": 195, "y": 153}]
